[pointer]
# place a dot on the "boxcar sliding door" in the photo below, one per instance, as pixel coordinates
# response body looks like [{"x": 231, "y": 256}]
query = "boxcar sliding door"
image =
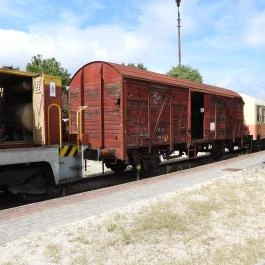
[{"x": 197, "y": 115}]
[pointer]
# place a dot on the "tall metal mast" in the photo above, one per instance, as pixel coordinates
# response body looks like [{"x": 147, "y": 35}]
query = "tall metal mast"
[{"x": 179, "y": 47}]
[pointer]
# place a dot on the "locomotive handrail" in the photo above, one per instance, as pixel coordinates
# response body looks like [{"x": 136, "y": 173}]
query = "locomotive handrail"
[
  {"x": 79, "y": 129},
  {"x": 60, "y": 124}
]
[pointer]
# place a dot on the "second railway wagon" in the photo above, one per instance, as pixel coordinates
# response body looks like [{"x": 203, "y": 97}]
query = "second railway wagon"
[
  {"x": 130, "y": 116},
  {"x": 254, "y": 115}
]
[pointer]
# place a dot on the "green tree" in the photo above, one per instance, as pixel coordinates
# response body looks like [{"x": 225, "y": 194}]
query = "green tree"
[
  {"x": 139, "y": 65},
  {"x": 186, "y": 72},
  {"x": 48, "y": 66}
]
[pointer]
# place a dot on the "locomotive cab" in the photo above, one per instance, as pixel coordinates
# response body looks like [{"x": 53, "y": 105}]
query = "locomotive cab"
[
  {"x": 16, "y": 119},
  {"x": 29, "y": 109}
]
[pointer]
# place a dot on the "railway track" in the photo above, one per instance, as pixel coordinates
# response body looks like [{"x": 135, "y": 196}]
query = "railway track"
[
  {"x": 111, "y": 179},
  {"x": 41, "y": 216}
]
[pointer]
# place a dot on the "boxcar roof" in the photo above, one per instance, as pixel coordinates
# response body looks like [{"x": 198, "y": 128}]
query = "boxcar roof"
[{"x": 139, "y": 74}]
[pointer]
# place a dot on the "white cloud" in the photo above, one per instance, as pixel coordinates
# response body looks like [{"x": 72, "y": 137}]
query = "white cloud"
[
  {"x": 73, "y": 46},
  {"x": 248, "y": 80},
  {"x": 254, "y": 34},
  {"x": 92, "y": 3},
  {"x": 67, "y": 17},
  {"x": 211, "y": 40}
]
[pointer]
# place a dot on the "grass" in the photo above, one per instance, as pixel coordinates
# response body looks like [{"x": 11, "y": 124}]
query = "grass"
[
  {"x": 222, "y": 222},
  {"x": 54, "y": 252},
  {"x": 81, "y": 259},
  {"x": 15, "y": 261}
]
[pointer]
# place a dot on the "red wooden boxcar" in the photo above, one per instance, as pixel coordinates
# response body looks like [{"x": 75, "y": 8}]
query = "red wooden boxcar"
[{"x": 130, "y": 116}]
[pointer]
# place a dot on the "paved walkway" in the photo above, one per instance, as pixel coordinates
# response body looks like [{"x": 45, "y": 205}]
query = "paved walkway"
[{"x": 18, "y": 222}]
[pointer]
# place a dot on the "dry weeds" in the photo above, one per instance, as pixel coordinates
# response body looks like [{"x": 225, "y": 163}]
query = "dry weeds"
[{"x": 220, "y": 222}]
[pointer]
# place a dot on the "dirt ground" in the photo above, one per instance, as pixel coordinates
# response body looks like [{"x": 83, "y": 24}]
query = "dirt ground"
[{"x": 218, "y": 222}]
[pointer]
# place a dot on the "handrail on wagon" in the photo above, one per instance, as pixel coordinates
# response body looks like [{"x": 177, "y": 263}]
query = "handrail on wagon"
[
  {"x": 59, "y": 120},
  {"x": 79, "y": 129}
]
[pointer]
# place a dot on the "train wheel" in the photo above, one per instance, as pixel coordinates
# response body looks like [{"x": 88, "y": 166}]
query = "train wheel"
[
  {"x": 118, "y": 167},
  {"x": 192, "y": 154},
  {"x": 231, "y": 148},
  {"x": 217, "y": 151},
  {"x": 149, "y": 163},
  {"x": 216, "y": 155},
  {"x": 34, "y": 188}
]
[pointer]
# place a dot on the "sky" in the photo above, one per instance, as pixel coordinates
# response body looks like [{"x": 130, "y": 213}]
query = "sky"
[{"x": 223, "y": 39}]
